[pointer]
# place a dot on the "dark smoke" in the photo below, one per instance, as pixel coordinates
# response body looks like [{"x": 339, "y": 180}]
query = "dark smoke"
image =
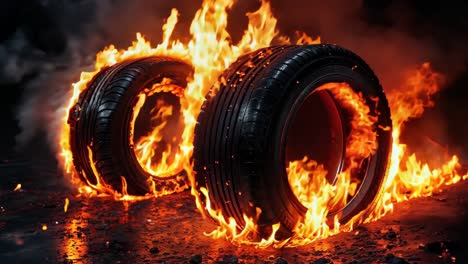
[{"x": 392, "y": 36}]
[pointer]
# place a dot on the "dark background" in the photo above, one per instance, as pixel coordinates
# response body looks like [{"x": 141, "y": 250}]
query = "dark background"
[{"x": 44, "y": 45}]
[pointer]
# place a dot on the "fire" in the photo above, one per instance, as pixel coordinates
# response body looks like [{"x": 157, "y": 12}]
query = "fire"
[
  {"x": 229, "y": 229},
  {"x": 211, "y": 50},
  {"x": 146, "y": 146},
  {"x": 409, "y": 177},
  {"x": 144, "y": 149},
  {"x": 308, "y": 179}
]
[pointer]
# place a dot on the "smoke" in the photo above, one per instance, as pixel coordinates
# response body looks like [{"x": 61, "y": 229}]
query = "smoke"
[
  {"x": 391, "y": 37},
  {"x": 87, "y": 27},
  {"x": 44, "y": 76}
]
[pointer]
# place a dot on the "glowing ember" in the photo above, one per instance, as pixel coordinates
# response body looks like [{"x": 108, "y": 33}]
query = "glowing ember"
[
  {"x": 65, "y": 207},
  {"x": 44, "y": 227},
  {"x": 210, "y": 51},
  {"x": 18, "y": 187}
]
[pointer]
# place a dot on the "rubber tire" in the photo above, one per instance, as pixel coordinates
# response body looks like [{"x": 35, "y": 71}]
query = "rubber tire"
[
  {"x": 238, "y": 145},
  {"x": 102, "y": 115}
]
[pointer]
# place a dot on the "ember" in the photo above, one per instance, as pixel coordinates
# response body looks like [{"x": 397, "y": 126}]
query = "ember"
[
  {"x": 65, "y": 207},
  {"x": 18, "y": 187}
]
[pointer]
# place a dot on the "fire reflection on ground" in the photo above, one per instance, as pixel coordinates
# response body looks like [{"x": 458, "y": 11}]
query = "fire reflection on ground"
[
  {"x": 101, "y": 230},
  {"x": 75, "y": 240}
]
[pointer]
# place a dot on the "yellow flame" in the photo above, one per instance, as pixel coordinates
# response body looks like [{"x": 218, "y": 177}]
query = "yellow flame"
[{"x": 18, "y": 187}]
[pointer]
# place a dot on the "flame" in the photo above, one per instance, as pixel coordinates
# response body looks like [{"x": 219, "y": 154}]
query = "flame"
[
  {"x": 307, "y": 178},
  {"x": 211, "y": 50},
  {"x": 230, "y": 230},
  {"x": 170, "y": 162},
  {"x": 407, "y": 176},
  {"x": 146, "y": 146}
]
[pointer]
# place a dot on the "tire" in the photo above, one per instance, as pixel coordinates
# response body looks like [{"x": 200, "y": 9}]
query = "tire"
[
  {"x": 101, "y": 121},
  {"x": 239, "y": 145}
]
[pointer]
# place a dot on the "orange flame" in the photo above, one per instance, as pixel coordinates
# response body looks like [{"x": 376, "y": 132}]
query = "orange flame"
[
  {"x": 210, "y": 50},
  {"x": 146, "y": 146},
  {"x": 407, "y": 176},
  {"x": 307, "y": 178}
]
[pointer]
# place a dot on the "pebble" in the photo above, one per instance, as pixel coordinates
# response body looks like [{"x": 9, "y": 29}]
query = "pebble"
[
  {"x": 390, "y": 258},
  {"x": 154, "y": 250},
  {"x": 195, "y": 259},
  {"x": 280, "y": 260},
  {"x": 323, "y": 261}
]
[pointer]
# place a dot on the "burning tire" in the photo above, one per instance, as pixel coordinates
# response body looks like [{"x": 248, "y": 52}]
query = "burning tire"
[
  {"x": 102, "y": 124},
  {"x": 270, "y": 111}
]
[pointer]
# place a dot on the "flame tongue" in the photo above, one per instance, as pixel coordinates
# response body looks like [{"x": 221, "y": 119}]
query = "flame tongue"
[
  {"x": 409, "y": 177},
  {"x": 210, "y": 51}
]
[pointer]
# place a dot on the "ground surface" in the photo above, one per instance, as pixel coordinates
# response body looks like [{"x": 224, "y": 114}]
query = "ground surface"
[{"x": 169, "y": 229}]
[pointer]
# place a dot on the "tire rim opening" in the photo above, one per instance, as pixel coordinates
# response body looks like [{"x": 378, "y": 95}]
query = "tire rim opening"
[
  {"x": 156, "y": 131},
  {"x": 318, "y": 138}
]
